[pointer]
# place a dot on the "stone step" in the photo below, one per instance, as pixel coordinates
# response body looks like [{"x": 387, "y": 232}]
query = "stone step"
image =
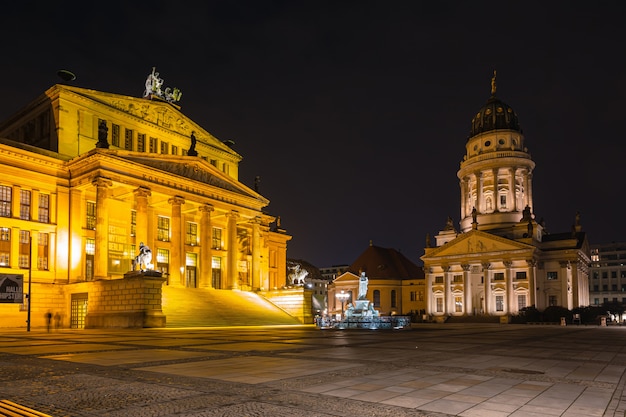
[{"x": 199, "y": 307}]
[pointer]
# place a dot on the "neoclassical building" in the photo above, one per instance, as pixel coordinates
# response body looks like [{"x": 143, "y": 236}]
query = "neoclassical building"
[
  {"x": 87, "y": 176},
  {"x": 502, "y": 259}
]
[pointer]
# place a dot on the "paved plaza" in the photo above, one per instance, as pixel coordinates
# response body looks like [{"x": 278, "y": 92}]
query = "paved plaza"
[{"x": 482, "y": 370}]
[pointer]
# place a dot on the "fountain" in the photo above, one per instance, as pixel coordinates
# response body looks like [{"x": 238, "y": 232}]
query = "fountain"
[{"x": 361, "y": 314}]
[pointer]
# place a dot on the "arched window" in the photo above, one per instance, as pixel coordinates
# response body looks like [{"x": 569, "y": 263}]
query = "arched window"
[
  {"x": 393, "y": 299},
  {"x": 376, "y": 298}
]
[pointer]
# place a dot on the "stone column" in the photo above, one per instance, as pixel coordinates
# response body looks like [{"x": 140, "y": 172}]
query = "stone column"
[
  {"x": 233, "y": 251},
  {"x": 256, "y": 254},
  {"x": 530, "y": 189},
  {"x": 177, "y": 261},
  {"x": 447, "y": 293},
  {"x": 479, "y": 192},
  {"x": 487, "y": 278},
  {"x": 467, "y": 289},
  {"x": 141, "y": 220},
  {"x": 101, "y": 257},
  {"x": 206, "y": 261},
  {"x": 463, "y": 184},
  {"x": 429, "y": 290},
  {"x": 496, "y": 193},
  {"x": 15, "y": 203},
  {"x": 509, "y": 286},
  {"x": 512, "y": 204},
  {"x": 532, "y": 284},
  {"x": 564, "y": 277}
]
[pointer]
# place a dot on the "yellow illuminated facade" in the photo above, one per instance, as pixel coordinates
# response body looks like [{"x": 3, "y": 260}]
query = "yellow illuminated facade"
[
  {"x": 87, "y": 176},
  {"x": 502, "y": 259}
]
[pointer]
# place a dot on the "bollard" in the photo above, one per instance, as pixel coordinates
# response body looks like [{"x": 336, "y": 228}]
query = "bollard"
[
  {"x": 562, "y": 321},
  {"x": 603, "y": 321}
]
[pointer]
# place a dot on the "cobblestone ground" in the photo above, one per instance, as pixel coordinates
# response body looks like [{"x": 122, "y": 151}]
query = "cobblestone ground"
[{"x": 430, "y": 370}]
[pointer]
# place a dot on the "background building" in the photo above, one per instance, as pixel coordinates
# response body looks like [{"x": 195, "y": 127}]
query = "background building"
[
  {"x": 87, "y": 176},
  {"x": 502, "y": 259},
  {"x": 608, "y": 273},
  {"x": 395, "y": 284}
]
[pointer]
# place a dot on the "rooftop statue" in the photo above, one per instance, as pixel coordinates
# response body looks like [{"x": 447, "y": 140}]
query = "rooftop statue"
[{"x": 154, "y": 86}]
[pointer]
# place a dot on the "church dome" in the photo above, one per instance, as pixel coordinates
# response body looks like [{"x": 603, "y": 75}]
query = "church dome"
[{"x": 494, "y": 115}]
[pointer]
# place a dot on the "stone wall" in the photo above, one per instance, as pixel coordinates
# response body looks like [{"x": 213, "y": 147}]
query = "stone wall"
[
  {"x": 295, "y": 301},
  {"x": 131, "y": 302}
]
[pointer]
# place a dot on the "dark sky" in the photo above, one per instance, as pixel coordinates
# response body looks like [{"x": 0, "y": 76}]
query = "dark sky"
[{"x": 355, "y": 114}]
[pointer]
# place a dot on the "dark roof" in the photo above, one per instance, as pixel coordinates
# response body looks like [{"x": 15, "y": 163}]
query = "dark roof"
[
  {"x": 555, "y": 237},
  {"x": 385, "y": 263},
  {"x": 494, "y": 115}
]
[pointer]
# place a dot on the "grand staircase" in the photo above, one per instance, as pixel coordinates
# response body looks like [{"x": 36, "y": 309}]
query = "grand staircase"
[{"x": 198, "y": 307}]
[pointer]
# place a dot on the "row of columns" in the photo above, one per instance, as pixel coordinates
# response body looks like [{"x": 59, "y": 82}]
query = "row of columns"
[
  {"x": 177, "y": 261},
  {"x": 477, "y": 178},
  {"x": 449, "y": 296}
]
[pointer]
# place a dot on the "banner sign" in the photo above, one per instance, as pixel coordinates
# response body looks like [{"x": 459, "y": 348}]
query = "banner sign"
[{"x": 11, "y": 288}]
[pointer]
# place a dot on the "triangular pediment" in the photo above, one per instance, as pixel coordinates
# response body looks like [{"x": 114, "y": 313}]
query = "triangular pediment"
[
  {"x": 157, "y": 112},
  {"x": 200, "y": 171},
  {"x": 476, "y": 243}
]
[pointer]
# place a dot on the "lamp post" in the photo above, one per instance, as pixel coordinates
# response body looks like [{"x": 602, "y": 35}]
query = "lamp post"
[{"x": 342, "y": 297}]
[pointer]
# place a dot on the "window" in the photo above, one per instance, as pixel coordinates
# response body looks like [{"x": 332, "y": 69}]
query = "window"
[
  {"x": 553, "y": 275},
  {"x": 613, "y": 274},
  {"x": 520, "y": 275},
  {"x": 413, "y": 295},
  {"x": 191, "y": 234},
  {"x": 216, "y": 238},
  {"x": 420, "y": 296},
  {"x": 376, "y": 298},
  {"x": 605, "y": 274},
  {"x": 165, "y": 147},
  {"x": 115, "y": 135},
  {"x": 457, "y": 279},
  {"x": 91, "y": 215},
  {"x": 25, "y": 204},
  {"x": 605, "y": 287},
  {"x": 552, "y": 300},
  {"x": 153, "y": 145},
  {"x": 163, "y": 260},
  {"x": 521, "y": 302},
  {"x": 622, "y": 274},
  {"x": 90, "y": 251},
  {"x": 596, "y": 288},
  {"x": 5, "y": 201},
  {"x": 24, "y": 256},
  {"x": 174, "y": 150},
  {"x": 614, "y": 287},
  {"x": 5, "y": 246},
  {"x": 128, "y": 140},
  {"x": 498, "y": 276},
  {"x": 499, "y": 303},
  {"x": 133, "y": 223},
  {"x": 439, "y": 305},
  {"x": 438, "y": 280},
  {"x": 393, "y": 298},
  {"x": 503, "y": 201},
  {"x": 44, "y": 208},
  {"x": 216, "y": 272},
  {"x": 163, "y": 229},
  {"x": 42, "y": 251},
  {"x": 191, "y": 262},
  {"x": 141, "y": 142},
  {"x": 225, "y": 168},
  {"x": 595, "y": 275},
  {"x": 458, "y": 304}
]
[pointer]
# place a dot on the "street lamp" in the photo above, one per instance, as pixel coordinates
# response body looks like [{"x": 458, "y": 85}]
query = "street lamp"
[{"x": 342, "y": 297}]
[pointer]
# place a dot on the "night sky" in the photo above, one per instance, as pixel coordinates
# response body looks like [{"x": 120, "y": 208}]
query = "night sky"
[{"x": 355, "y": 114}]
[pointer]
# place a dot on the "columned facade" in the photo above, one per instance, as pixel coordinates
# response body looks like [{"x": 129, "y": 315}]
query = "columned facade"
[{"x": 501, "y": 260}]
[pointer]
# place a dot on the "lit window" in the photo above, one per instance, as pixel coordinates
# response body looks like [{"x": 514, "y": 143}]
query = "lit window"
[
  {"x": 498, "y": 276},
  {"x": 44, "y": 208},
  {"x": 163, "y": 260},
  {"x": 5, "y": 201},
  {"x": 133, "y": 222},
  {"x": 216, "y": 238},
  {"x": 5, "y": 246},
  {"x": 438, "y": 280},
  {"x": 174, "y": 150},
  {"x": 521, "y": 302},
  {"x": 552, "y": 275},
  {"x": 165, "y": 148},
  {"x": 457, "y": 279},
  {"x": 499, "y": 303},
  {"x": 520, "y": 275},
  {"x": 25, "y": 204},
  {"x": 439, "y": 304},
  {"x": 163, "y": 229},
  {"x": 24, "y": 256},
  {"x": 42, "y": 251},
  {"x": 191, "y": 234},
  {"x": 458, "y": 304},
  {"x": 91, "y": 215}
]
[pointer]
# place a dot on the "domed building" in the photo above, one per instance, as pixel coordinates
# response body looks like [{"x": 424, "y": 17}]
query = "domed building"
[{"x": 502, "y": 259}]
